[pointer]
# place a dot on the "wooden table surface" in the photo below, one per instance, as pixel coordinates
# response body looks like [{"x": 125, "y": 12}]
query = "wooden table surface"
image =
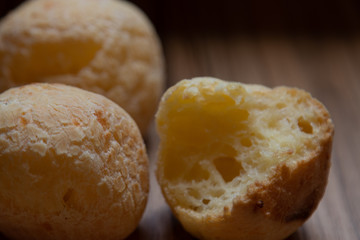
[
  {"x": 326, "y": 65},
  {"x": 329, "y": 68},
  {"x": 313, "y": 45}
]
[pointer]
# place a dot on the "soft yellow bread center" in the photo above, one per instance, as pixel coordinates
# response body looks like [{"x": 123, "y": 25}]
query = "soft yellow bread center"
[{"x": 217, "y": 138}]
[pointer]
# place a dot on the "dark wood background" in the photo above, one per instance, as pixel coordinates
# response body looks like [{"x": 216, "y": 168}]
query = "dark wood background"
[{"x": 314, "y": 45}]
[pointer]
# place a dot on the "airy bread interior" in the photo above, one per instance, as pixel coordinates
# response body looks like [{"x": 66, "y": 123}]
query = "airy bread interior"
[{"x": 219, "y": 138}]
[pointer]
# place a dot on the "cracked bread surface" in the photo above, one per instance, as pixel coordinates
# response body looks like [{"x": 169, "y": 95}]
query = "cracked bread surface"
[
  {"x": 73, "y": 165},
  {"x": 108, "y": 47},
  {"x": 240, "y": 161}
]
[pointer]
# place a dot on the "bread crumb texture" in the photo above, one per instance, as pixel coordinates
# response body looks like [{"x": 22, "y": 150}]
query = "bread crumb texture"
[
  {"x": 240, "y": 161},
  {"x": 108, "y": 47},
  {"x": 72, "y": 165}
]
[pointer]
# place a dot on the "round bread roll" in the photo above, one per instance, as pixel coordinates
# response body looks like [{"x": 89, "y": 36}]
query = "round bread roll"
[
  {"x": 73, "y": 165},
  {"x": 241, "y": 161},
  {"x": 104, "y": 46}
]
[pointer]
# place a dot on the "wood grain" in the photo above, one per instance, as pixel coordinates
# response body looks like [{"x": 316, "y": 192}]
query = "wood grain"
[{"x": 328, "y": 68}]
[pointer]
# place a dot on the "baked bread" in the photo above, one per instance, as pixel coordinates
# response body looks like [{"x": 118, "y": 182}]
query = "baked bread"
[
  {"x": 240, "y": 161},
  {"x": 73, "y": 165},
  {"x": 108, "y": 47}
]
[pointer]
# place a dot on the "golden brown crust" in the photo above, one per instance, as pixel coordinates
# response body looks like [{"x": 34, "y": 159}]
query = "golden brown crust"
[
  {"x": 272, "y": 208},
  {"x": 72, "y": 165},
  {"x": 293, "y": 194},
  {"x": 108, "y": 47}
]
